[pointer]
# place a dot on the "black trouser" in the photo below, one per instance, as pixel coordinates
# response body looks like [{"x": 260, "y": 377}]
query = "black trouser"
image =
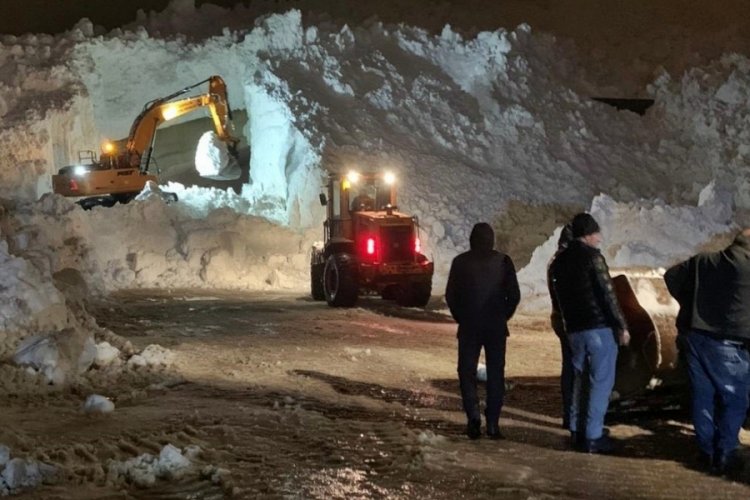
[{"x": 470, "y": 343}]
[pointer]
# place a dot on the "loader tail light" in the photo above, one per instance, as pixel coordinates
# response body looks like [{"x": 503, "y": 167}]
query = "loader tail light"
[
  {"x": 370, "y": 246},
  {"x": 73, "y": 185},
  {"x": 417, "y": 245}
]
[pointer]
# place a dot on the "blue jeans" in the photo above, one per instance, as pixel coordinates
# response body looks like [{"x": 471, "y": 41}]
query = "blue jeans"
[
  {"x": 719, "y": 373},
  {"x": 594, "y": 357}
]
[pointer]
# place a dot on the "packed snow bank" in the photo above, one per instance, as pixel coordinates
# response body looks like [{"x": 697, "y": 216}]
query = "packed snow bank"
[
  {"x": 646, "y": 234},
  {"x": 487, "y": 128},
  {"x": 150, "y": 244}
]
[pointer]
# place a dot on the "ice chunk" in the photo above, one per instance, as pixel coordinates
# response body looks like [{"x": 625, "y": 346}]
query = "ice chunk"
[
  {"x": 88, "y": 355},
  {"x": 41, "y": 352},
  {"x": 213, "y": 161},
  {"x": 106, "y": 353},
  {"x": 172, "y": 463},
  {"x": 145, "y": 469},
  {"x": 152, "y": 190},
  {"x": 4, "y": 455},
  {"x": 14, "y": 473},
  {"x": 98, "y": 404},
  {"x": 156, "y": 355},
  {"x": 20, "y": 473}
]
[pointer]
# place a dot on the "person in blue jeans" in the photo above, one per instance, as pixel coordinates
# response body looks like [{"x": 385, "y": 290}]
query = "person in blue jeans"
[
  {"x": 594, "y": 324},
  {"x": 713, "y": 290}
]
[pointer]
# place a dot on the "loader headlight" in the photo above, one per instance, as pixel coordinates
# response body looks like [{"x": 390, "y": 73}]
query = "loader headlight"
[
  {"x": 80, "y": 170},
  {"x": 352, "y": 177},
  {"x": 389, "y": 178},
  {"x": 108, "y": 147}
]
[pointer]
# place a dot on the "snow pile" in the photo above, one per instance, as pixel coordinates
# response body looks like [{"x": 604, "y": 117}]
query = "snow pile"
[
  {"x": 646, "y": 234},
  {"x": 28, "y": 299},
  {"x": 151, "y": 244},
  {"x": 106, "y": 354},
  {"x": 57, "y": 355},
  {"x": 98, "y": 404},
  {"x": 709, "y": 107},
  {"x": 18, "y": 474},
  {"x": 153, "y": 355},
  {"x": 144, "y": 470}
]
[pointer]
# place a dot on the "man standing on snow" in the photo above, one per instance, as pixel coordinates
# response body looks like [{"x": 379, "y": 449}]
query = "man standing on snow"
[
  {"x": 567, "y": 373},
  {"x": 593, "y": 321},
  {"x": 482, "y": 294},
  {"x": 713, "y": 290}
]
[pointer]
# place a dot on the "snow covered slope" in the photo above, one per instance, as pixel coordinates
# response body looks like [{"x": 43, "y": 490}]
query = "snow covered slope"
[{"x": 499, "y": 127}]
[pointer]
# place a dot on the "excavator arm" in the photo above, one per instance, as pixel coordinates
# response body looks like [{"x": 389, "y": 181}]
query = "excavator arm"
[
  {"x": 122, "y": 168},
  {"x": 142, "y": 132}
]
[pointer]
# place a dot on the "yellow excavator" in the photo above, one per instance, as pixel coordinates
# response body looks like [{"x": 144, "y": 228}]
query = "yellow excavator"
[{"x": 122, "y": 170}]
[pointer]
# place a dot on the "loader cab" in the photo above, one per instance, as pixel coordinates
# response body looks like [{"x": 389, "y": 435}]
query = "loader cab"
[{"x": 353, "y": 194}]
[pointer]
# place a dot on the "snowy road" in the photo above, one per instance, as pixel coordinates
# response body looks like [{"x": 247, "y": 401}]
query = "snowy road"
[{"x": 290, "y": 399}]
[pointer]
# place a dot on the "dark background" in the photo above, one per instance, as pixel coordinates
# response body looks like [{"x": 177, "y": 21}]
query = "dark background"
[{"x": 53, "y": 16}]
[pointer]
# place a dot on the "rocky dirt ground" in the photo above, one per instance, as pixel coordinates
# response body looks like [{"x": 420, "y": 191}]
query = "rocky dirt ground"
[{"x": 288, "y": 398}]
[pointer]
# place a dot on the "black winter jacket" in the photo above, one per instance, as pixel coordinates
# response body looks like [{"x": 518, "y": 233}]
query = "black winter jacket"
[
  {"x": 713, "y": 290},
  {"x": 482, "y": 291},
  {"x": 582, "y": 290}
]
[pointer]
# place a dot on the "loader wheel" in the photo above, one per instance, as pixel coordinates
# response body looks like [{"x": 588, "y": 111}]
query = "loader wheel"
[
  {"x": 316, "y": 281},
  {"x": 340, "y": 281},
  {"x": 414, "y": 294}
]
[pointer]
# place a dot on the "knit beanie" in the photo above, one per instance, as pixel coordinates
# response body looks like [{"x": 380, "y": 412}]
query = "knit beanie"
[{"x": 584, "y": 224}]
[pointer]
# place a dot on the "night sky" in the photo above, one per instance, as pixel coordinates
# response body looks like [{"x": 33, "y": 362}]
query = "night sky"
[{"x": 53, "y": 16}]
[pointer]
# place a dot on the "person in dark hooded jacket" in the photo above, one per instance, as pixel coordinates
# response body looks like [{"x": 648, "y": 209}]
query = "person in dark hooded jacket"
[
  {"x": 482, "y": 294},
  {"x": 713, "y": 290},
  {"x": 567, "y": 373}
]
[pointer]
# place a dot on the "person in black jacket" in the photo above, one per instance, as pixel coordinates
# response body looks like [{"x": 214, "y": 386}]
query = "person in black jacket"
[
  {"x": 482, "y": 294},
  {"x": 713, "y": 291},
  {"x": 583, "y": 291},
  {"x": 567, "y": 372}
]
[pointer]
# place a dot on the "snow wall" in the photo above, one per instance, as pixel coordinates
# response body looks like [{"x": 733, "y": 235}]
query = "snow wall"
[{"x": 498, "y": 128}]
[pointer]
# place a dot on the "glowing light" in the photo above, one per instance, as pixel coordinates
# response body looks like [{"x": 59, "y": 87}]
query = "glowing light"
[
  {"x": 170, "y": 111},
  {"x": 417, "y": 245},
  {"x": 389, "y": 178},
  {"x": 352, "y": 177},
  {"x": 80, "y": 170},
  {"x": 108, "y": 147},
  {"x": 370, "y": 246}
]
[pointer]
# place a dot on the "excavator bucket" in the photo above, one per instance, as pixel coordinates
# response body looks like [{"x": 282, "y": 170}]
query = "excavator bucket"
[
  {"x": 215, "y": 159},
  {"x": 651, "y": 359}
]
